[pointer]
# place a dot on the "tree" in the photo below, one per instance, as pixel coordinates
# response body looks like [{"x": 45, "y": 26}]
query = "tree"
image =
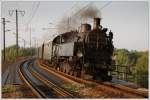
[
  {"x": 142, "y": 70},
  {"x": 137, "y": 63}
]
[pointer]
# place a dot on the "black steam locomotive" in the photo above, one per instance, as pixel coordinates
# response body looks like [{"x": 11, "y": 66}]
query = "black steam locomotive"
[{"x": 86, "y": 53}]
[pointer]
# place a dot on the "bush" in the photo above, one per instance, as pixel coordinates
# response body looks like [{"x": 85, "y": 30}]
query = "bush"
[{"x": 11, "y": 52}]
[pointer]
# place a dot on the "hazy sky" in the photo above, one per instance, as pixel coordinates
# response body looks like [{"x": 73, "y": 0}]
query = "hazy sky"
[{"x": 128, "y": 20}]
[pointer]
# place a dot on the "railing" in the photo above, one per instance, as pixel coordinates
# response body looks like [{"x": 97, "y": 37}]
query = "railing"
[{"x": 128, "y": 73}]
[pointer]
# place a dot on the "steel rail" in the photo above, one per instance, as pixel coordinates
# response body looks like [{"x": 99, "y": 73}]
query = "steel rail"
[
  {"x": 6, "y": 79},
  {"x": 57, "y": 89},
  {"x": 25, "y": 78}
]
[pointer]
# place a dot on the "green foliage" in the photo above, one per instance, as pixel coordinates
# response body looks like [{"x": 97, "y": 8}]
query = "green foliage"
[
  {"x": 11, "y": 52},
  {"x": 142, "y": 63},
  {"x": 122, "y": 57},
  {"x": 142, "y": 69},
  {"x": 71, "y": 87},
  {"x": 136, "y": 62}
]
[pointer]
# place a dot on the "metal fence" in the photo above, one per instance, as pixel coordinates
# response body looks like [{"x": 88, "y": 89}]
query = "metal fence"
[{"x": 128, "y": 73}]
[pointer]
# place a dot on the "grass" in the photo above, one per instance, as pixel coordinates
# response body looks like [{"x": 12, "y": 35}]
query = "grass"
[
  {"x": 70, "y": 87},
  {"x": 75, "y": 88},
  {"x": 8, "y": 89},
  {"x": 17, "y": 91},
  {"x": 11, "y": 52},
  {"x": 90, "y": 85}
]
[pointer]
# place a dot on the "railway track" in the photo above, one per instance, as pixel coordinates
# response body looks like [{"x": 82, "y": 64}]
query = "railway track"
[
  {"x": 60, "y": 91},
  {"x": 4, "y": 81},
  {"x": 119, "y": 89},
  {"x": 33, "y": 86},
  {"x": 46, "y": 89}
]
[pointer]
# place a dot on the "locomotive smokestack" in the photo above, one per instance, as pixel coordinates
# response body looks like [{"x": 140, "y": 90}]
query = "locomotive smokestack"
[
  {"x": 96, "y": 24},
  {"x": 85, "y": 28}
]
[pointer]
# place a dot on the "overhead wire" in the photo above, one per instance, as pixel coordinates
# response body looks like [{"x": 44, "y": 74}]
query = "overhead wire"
[
  {"x": 36, "y": 9},
  {"x": 32, "y": 16},
  {"x": 108, "y": 3},
  {"x": 75, "y": 14}
]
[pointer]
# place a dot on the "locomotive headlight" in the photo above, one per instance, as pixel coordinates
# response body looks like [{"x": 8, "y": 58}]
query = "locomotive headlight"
[{"x": 79, "y": 54}]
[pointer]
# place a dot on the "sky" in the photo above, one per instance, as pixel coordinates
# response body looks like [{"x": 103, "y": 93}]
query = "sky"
[{"x": 128, "y": 20}]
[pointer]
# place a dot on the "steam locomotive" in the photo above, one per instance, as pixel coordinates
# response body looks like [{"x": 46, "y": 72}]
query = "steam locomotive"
[{"x": 86, "y": 53}]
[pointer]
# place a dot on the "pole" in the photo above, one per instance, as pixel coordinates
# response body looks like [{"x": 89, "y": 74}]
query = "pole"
[
  {"x": 30, "y": 37},
  {"x": 35, "y": 42},
  {"x": 11, "y": 13},
  {"x": 24, "y": 42},
  {"x": 68, "y": 24},
  {"x": 17, "y": 31},
  {"x": 35, "y": 46},
  {"x": 4, "y": 36}
]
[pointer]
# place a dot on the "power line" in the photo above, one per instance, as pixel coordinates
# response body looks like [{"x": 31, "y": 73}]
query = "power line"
[
  {"x": 31, "y": 14},
  {"x": 76, "y": 14},
  {"x": 108, "y": 3},
  {"x": 66, "y": 12},
  {"x": 34, "y": 13},
  {"x": 82, "y": 8},
  {"x": 29, "y": 21}
]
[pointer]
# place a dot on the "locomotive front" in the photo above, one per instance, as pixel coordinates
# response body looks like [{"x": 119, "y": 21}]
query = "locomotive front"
[{"x": 96, "y": 51}]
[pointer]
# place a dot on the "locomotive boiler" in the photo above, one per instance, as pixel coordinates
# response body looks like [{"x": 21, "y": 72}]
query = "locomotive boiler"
[{"x": 86, "y": 53}]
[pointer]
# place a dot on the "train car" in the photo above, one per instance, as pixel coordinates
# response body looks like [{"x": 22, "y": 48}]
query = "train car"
[
  {"x": 39, "y": 53},
  {"x": 47, "y": 52},
  {"x": 86, "y": 53}
]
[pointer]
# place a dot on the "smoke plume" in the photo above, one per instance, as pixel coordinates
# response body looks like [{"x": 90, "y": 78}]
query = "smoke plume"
[
  {"x": 73, "y": 22},
  {"x": 89, "y": 12}
]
